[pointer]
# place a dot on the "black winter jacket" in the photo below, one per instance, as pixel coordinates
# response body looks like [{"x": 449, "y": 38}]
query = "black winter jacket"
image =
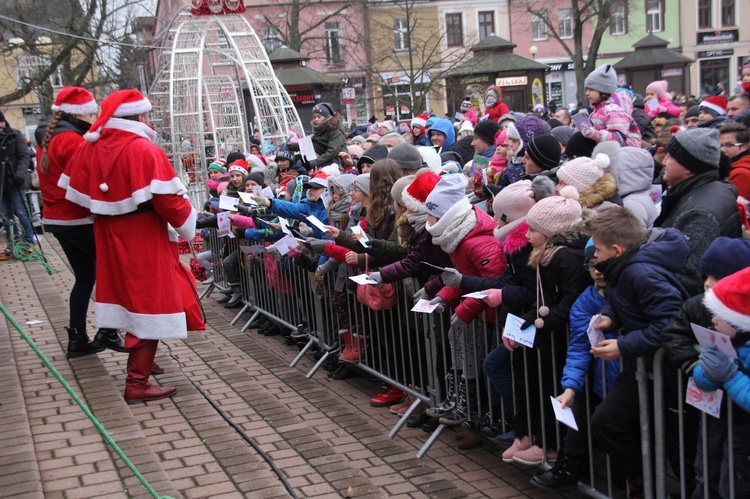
[
  {"x": 719, "y": 197},
  {"x": 14, "y": 159},
  {"x": 678, "y": 338}
]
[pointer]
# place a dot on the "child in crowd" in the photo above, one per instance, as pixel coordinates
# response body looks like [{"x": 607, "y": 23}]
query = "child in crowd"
[
  {"x": 597, "y": 187},
  {"x": 658, "y": 101},
  {"x": 728, "y": 302},
  {"x": 578, "y": 364},
  {"x": 560, "y": 278},
  {"x": 237, "y": 176},
  {"x": 609, "y": 121},
  {"x": 643, "y": 294},
  {"x": 312, "y": 205},
  {"x": 328, "y": 138}
]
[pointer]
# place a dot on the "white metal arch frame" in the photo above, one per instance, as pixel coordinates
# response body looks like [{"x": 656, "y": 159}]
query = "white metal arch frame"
[{"x": 199, "y": 107}]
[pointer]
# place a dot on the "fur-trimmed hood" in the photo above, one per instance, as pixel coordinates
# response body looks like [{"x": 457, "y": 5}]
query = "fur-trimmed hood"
[
  {"x": 333, "y": 123},
  {"x": 516, "y": 240},
  {"x": 604, "y": 189}
]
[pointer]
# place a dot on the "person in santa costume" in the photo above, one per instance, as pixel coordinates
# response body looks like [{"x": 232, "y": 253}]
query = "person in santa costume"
[
  {"x": 128, "y": 184},
  {"x": 75, "y": 108}
]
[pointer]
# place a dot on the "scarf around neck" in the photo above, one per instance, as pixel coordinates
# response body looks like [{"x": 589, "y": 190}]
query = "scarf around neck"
[{"x": 453, "y": 232}]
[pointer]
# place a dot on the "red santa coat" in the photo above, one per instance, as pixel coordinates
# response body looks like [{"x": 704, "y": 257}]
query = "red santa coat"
[
  {"x": 128, "y": 183},
  {"x": 57, "y": 209}
]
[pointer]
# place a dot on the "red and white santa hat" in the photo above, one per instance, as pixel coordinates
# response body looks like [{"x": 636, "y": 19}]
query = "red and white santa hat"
[
  {"x": 239, "y": 165},
  {"x": 75, "y": 100},
  {"x": 118, "y": 105},
  {"x": 729, "y": 300},
  {"x": 415, "y": 195},
  {"x": 716, "y": 103},
  {"x": 420, "y": 120}
]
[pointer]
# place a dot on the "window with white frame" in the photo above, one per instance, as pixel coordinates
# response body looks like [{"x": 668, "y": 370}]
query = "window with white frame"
[
  {"x": 619, "y": 19},
  {"x": 654, "y": 15},
  {"x": 333, "y": 43},
  {"x": 272, "y": 38},
  {"x": 727, "y": 13},
  {"x": 454, "y": 30},
  {"x": 564, "y": 23},
  {"x": 28, "y": 68},
  {"x": 401, "y": 33},
  {"x": 539, "y": 25},
  {"x": 486, "y": 22}
]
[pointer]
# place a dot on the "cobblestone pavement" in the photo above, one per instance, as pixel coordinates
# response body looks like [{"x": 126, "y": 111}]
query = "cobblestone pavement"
[{"x": 321, "y": 434}]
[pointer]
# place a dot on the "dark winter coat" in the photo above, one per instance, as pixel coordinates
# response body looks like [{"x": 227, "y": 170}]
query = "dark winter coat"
[
  {"x": 644, "y": 124},
  {"x": 411, "y": 265},
  {"x": 719, "y": 197},
  {"x": 563, "y": 280},
  {"x": 518, "y": 282},
  {"x": 643, "y": 292},
  {"x": 464, "y": 148},
  {"x": 14, "y": 159},
  {"x": 328, "y": 143},
  {"x": 677, "y": 337}
]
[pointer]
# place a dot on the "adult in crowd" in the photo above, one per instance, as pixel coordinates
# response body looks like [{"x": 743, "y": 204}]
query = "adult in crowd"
[
  {"x": 734, "y": 139},
  {"x": 75, "y": 109},
  {"x": 738, "y": 107},
  {"x": 483, "y": 141},
  {"x": 14, "y": 180},
  {"x": 127, "y": 181},
  {"x": 692, "y": 173}
]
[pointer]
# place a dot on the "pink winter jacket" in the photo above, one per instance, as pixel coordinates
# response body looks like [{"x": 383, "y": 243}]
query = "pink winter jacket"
[
  {"x": 665, "y": 106},
  {"x": 479, "y": 255},
  {"x": 243, "y": 222}
]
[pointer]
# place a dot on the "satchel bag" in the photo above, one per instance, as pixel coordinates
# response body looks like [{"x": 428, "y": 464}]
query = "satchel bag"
[{"x": 377, "y": 298}]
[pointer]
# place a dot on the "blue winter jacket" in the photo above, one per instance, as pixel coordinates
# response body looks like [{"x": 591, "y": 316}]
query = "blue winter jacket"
[
  {"x": 643, "y": 292},
  {"x": 445, "y": 126},
  {"x": 578, "y": 362},
  {"x": 738, "y": 387},
  {"x": 300, "y": 211}
]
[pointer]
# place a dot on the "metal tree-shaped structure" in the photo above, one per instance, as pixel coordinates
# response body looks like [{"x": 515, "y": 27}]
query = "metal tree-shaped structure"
[{"x": 201, "y": 110}]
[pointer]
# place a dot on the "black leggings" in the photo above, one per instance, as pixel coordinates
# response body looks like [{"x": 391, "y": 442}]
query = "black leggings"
[{"x": 78, "y": 245}]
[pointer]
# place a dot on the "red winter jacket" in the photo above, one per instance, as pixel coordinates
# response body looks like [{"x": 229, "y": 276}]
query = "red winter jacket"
[{"x": 480, "y": 255}]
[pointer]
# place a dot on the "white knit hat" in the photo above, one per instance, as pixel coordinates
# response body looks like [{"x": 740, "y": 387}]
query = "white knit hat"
[
  {"x": 449, "y": 191},
  {"x": 582, "y": 173}
]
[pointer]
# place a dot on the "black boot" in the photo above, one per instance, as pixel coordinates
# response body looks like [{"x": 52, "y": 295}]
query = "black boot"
[
  {"x": 110, "y": 339},
  {"x": 565, "y": 472},
  {"x": 79, "y": 344},
  {"x": 460, "y": 413},
  {"x": 449, "y": 401},
  {"x": 345, "y": 373}
]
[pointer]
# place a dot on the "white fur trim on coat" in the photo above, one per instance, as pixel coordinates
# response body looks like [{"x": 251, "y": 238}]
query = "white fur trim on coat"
[
  {"x": 124, "y": 206},
  {"x": 143, "y": 326}
]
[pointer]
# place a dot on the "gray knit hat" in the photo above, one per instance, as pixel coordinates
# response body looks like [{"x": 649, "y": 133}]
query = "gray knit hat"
[
  {"x": 696, "y": 149},
  {"x": 362, "y": 182},
  {"x": 603, "y": 79},
  {"x": 407, "y": 156},
  {"x": 397, "y": 191}
]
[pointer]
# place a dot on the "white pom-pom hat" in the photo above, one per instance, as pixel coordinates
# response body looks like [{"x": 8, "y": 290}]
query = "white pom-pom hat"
[
  {"x": 118, "y": 105},
  {"x": 75, "y": 100},
  {"x": 582, "y": 173}
]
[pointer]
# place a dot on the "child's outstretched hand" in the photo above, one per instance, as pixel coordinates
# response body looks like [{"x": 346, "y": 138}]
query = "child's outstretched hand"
[
  {"x": 566, "y": 398},
  {"x": 716, "y": 365}
]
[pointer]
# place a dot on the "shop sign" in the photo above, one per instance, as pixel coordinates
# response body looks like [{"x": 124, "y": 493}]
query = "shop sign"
[
  {"x": 348, "y": 95},
  {"x": 302, "y": 94},
  {"x": 563, "y": 66},
  {"x": 715, "y": 53},
  {"x": 511, "y": 81},
  {"x": 471, "y": 80},
  {"x": 667, "y": 73},
  {"x": 717, "y": 37}
]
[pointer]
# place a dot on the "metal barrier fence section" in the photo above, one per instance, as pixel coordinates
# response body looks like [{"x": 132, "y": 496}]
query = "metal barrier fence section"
[{"x": 464, "y": 375}]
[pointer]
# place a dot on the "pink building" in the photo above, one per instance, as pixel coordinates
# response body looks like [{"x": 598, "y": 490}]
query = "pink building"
[{"x": 535, "y": 38}]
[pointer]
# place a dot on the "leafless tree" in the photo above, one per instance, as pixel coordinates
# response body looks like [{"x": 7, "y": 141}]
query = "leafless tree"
[{"x": 596, "y": 13}]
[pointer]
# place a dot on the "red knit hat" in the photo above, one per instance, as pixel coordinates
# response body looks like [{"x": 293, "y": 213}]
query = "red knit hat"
[
  {"x": 729, "y": 300},
  {"x": 75, "y": 100},
  {"x": 716, "y": 103},
  {"x": 416, "y": 193},
  {"x": 117, "y": 105},
  {"x": 238, "y": 165}
]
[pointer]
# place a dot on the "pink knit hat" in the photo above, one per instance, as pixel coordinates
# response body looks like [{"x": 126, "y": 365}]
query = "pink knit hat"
[
  {"x": 552, "y": 215},
  {"x": 500, "y": 137},
  {"x": 513, "y": 203},
  {"x": 658, "y": 87},
  {"x": 582, "y": 173}
]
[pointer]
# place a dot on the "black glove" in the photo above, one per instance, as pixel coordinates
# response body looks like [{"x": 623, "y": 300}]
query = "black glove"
[{"x": 208, "y": 221}]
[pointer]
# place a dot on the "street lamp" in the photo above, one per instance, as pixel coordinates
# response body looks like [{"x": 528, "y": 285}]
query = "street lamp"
[{"x": 533, "y": 50}]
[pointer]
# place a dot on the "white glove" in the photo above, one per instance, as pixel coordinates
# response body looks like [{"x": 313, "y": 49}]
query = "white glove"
[
  {"x": 452, "y": 277},
  {"x": 440, "y": 304},
  {"x": 421, "y": 295},
  {"x": 375, "y": 276}
]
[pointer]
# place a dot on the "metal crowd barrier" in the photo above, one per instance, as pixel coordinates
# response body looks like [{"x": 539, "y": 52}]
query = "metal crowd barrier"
[{"x": 415, "y": 353}]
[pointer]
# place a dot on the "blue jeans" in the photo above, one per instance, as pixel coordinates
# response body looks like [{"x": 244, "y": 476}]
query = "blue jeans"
[
  {"x": 497, "y": 368},
  {"x": 14, "y": 204}
]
